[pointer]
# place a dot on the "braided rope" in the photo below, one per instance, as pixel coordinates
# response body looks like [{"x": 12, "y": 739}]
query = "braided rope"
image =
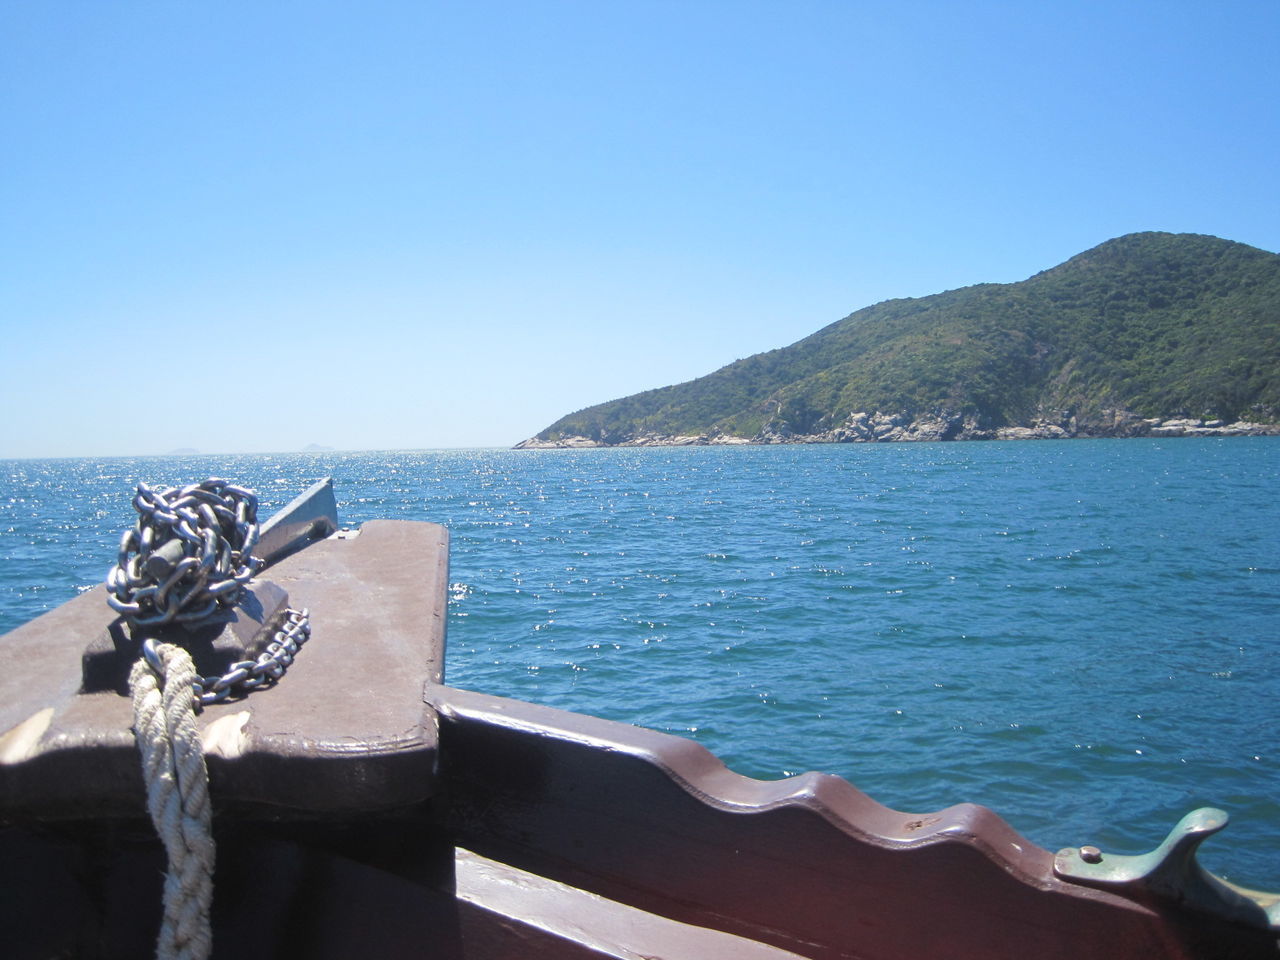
[
  {"x": 177, "y": 797},
  {"x": 188, "y": 558}
]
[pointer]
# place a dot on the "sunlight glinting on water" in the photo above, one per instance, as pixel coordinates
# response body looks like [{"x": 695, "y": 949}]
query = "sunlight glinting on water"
[{"x": 1079, "y": 635}]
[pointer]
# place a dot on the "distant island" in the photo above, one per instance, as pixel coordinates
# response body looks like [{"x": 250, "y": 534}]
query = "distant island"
[{"x": 1150, "y": 334}]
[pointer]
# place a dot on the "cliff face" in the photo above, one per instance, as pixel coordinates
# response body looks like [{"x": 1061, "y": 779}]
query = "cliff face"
[{"x": 1148, "y": 334}]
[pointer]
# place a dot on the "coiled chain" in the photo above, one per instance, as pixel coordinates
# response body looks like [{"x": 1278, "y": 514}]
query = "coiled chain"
[
  {"x": 190, "y": 555},
  {"x": 190, "y": 552}
]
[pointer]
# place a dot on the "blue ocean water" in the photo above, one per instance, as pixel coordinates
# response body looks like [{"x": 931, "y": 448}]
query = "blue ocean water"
[{"x": 1081, "y": 635}]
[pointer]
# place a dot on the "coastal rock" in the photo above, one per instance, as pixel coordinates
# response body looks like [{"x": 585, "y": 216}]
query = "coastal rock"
[
  {"x": 862, "y": 427},
  {"x": 1191, "y": 427},
  {"x": 534, "y": 443},
  {"x": 1175, "y": 428},
  {"x": 1037, "y": 431},
  {"x": 900, "y": 427},
  {"x": 1243, "y": 428},
  {"x": 1115, "y": 422},
  {"x": 657, "y": 440}
]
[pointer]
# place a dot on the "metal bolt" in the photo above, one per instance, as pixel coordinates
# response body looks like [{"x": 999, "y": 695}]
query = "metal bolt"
[{"x": 1090, "y": 854}]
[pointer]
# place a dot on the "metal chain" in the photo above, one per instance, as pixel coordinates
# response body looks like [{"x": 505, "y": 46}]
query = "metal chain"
[
  {"x": 244, "y": 676},
  {"x": 189, "y": 555},
  {"x": 190, "y": 552}
]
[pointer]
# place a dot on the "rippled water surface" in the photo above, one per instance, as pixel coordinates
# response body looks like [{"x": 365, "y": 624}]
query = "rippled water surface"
[{"x": 1081, "y": 635}]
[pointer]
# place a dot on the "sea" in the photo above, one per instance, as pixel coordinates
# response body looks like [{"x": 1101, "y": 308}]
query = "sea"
[{"x": 1082, "y": 635}]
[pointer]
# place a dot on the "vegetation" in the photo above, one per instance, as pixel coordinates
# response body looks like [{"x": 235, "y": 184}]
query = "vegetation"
[{"x": 1159, "y": 324}]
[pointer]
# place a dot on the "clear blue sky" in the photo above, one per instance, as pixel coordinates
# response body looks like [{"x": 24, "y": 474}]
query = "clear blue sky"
[{"x": 253, "y": 226}]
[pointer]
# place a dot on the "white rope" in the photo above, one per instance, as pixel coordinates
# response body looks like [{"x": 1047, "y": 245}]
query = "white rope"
[{"x": 177, "y": 798}]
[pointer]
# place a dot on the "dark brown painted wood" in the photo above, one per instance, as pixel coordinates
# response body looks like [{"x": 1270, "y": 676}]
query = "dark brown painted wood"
[
  {"x": 809, "y": 864},
  {"x": 346, "y": 730}
]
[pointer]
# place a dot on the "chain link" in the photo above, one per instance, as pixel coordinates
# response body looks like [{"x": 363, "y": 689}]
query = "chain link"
[{"x": 189, "y": 555}]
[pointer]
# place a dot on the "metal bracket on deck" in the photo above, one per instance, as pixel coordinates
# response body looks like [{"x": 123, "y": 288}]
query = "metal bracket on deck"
[
  {"x": 311, "y": 516},
  {"x": 1171, "y": 871}
]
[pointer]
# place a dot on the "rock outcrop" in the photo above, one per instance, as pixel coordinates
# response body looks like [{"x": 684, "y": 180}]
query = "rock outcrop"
[{"x": 878, "y": 427}]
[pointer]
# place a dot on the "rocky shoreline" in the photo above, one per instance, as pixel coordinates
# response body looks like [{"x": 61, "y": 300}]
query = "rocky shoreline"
[{"x": 880, "y": 427}]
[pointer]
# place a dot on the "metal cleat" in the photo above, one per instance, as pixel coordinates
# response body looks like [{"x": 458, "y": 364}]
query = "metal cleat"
[{"x": 1171, "y": 872}]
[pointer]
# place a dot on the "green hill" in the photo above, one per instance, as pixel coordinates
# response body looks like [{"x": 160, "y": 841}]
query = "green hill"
[{"x": 1149, "y": 326}]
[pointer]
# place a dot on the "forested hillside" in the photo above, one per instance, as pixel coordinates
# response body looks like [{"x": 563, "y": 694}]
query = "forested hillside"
[{"x": 1149, "y": 325}]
